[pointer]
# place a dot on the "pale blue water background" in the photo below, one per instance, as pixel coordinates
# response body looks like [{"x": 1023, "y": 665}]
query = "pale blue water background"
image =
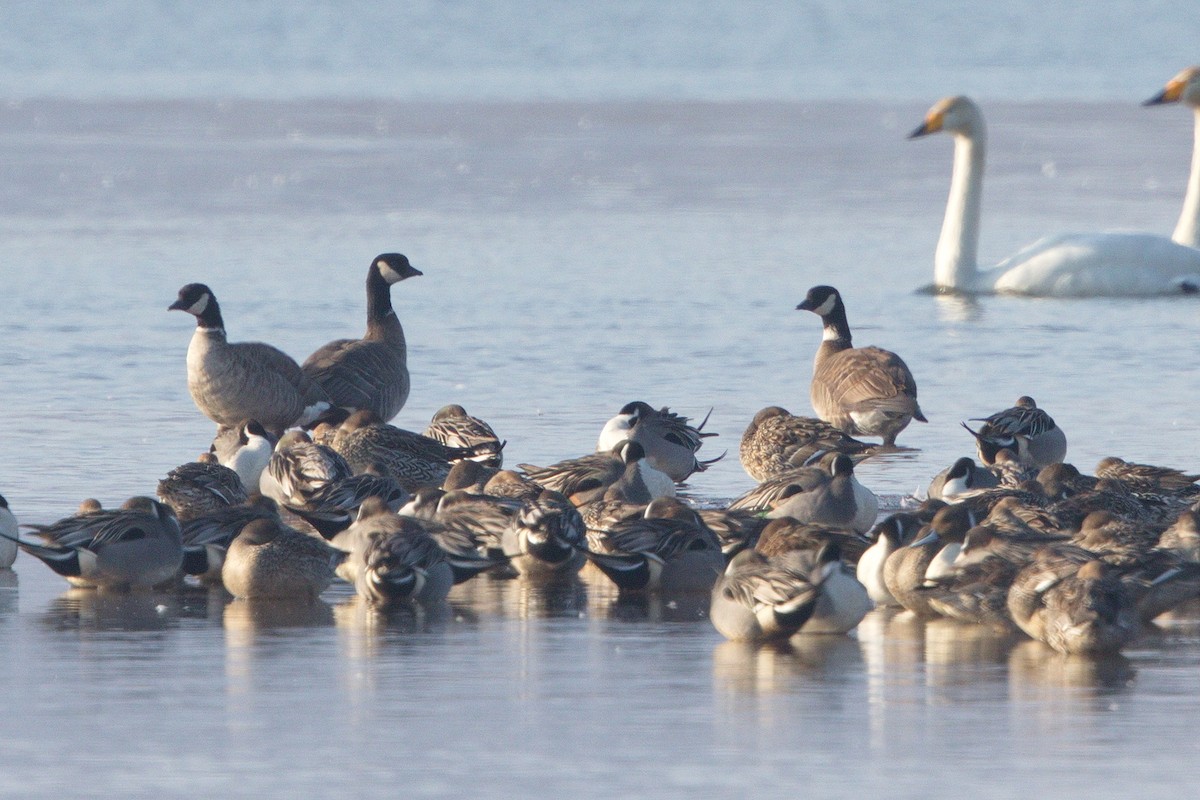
[{"x": 609, "y": 204}]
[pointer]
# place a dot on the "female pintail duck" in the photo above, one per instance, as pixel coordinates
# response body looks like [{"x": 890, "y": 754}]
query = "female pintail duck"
[
  {"x": 667, "y": 549},
  {"x": 136, "y": 547},
  {"x": 976, "y": 593},
  {"x": 197, "y": 488},
  {"x": 371, "y": 372},
  {"x": 1183, "y": 537},
  {"x": 962, "y": 477},
  {"x": 269, "y": 559},
  {"x": 1026, "y": 430},
  {"x": 1147, "y": 477},
  {"x": 785, "y": 535},
  {"x": 547, "y": 538},
  {"x": 8, "y": 530},
  {"x": 863, "y": 391},
  {"x": 246, "y": 449},
  {"x": 587, "y": 478},
  {"x": 1066, "y": 265},
  {"x": 736, "y": 529},
  {"x": 453, "y": 426},
  {"x": 670, "y": 441},
  {"x": 232, "y": 382},
  {"x": 761, "y": 599},
  {"x": 206, "y": 539},
  {"x": 838, "y": 500},
  {"x": 1073, "y": 602},
  {"x": 415, "y": 461},
  {"x": 888, "y": 536},
  {"x": 777, "y": 441},
  {"x": 1185, "y": 88}
]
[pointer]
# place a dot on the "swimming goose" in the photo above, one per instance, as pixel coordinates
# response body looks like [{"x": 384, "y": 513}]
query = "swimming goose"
[
  {"x": 1185, "y": 88},
  {"x": 136, "y": 547},
  {"x": 762, "y": 599},
  {"x": 197, "y": 488},
  {"x": 669, "y": 440},
  {"x": 232, "y": 382},
  {"x": 371, "y": 372},
  {"x": 8, "y": 529},
  {"x": 547, "y": 538},
  {"x": 246, "y": 449},
  {"x": 1066, "y": 265},
  {"x": 1025, "y": 430},
  {"x": 777, "y": 441},
  {"x": 269, "y": 559},
  {"x": 453, "y": 426},
  {"x": 864, "y": 391}
]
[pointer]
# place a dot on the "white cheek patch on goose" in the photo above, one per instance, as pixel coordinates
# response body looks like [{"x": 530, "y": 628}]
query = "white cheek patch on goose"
[
  {"x": 197, "y": 308},
  {"x": 390, "y": 275},
  {"x": 826, "y": 307}
]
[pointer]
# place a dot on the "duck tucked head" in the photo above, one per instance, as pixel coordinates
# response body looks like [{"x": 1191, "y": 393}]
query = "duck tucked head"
[{"x": 198, "y": 300}]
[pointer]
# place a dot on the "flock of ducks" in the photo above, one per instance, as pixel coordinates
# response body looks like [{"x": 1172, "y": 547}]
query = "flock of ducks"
[{"x": 306, "y": 481}]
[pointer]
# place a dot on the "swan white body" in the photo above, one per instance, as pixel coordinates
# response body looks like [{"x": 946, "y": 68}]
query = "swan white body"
[{"x": 1065, "y": 265}]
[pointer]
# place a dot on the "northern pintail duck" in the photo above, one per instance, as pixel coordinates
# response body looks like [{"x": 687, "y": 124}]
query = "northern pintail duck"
[
  {"x": 587, "y": 478},
  {"x": 838, "y": 500},
  {"x": 736, "y": 529},
  {"x": 864, "y": 391},
  {"x": 960, "y": 478},
  {"x": 371, "y": 372},
  {"x": 889, "y": 535},
  {"x": 1183, "y": 536},
  {"x": 206, "y": 538},
  {"x": 8, "y": 530},
  {"x": 1026, "y": 430},
  {"x": 843, "y": 600},
  {"x": 416, "y": 461},
  {"x": 547, "y": 538},
  {"x": 467, "y": 550},
  {"x": 905, "y": 571},
  {"x": 232, "y": 382},
  {"x": 1147, "y": 477},
  {"x": 270, "y": 559},
  {"x": 777, "y": 441},
  {"x": 1073, "y": 602},
  {"x": 669, "y": 440},
  {"x": 198, "y": 488},
  {"x": 391, "y": 558},
  {"x": 246, "y": 449},
  {"x": 786, "y": 535},
  {"x": 453, "y": 426},
  {"x": 298, "y": 467},
  {"x": 762, "y": 599},
  {"x": 136, "y": 547},
  {"x": 668, "y": 549}
]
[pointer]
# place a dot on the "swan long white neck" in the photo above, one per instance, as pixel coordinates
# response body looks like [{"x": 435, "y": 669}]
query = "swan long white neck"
[
  {"x": 1187, "y": 231},
  {"x": 955, "y": 261}
]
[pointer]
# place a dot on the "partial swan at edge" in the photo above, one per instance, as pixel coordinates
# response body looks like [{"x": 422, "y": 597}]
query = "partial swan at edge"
[{"x": 1065, "y": 265}]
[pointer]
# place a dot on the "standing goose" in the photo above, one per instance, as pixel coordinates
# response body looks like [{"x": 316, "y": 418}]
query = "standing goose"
[
  {"x": 1064, "y": 265},
  {"x": 232, "y": 382},
  {"x": 863, "y": 391},
  {"x": 371, "y": 372}
]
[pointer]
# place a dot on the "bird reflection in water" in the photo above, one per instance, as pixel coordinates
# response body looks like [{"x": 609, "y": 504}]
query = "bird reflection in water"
[
  {"x": 103, "y": 610},
  {"x": 775, "y": 667}
]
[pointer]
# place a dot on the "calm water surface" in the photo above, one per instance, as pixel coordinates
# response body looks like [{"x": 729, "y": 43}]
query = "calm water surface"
[{"x": 577, "y": 256}]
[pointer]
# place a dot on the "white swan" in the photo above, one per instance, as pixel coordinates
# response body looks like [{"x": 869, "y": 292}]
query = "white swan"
[
  {"x": 1185, "y": 88},
  {"x": 1065, "y": 265}
]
